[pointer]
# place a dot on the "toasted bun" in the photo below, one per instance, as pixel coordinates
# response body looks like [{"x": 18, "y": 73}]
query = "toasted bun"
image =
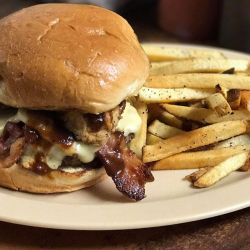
[
  {"x": 62, "y": 56},
  {"x": 19, "y": 178}
]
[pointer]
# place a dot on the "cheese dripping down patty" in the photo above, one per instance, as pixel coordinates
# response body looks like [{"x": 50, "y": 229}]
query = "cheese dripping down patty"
[{"x": 130, "y": 122}]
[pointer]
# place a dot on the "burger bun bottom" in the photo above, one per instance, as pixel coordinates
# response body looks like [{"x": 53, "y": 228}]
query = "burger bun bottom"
[{"x": 20, "y": 178}]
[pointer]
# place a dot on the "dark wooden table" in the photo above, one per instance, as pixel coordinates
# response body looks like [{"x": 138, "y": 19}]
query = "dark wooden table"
[{"x": 229, "y": 232}]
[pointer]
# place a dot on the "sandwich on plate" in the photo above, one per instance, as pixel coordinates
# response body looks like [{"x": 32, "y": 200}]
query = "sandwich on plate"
[{"x": 66, "y": 75}]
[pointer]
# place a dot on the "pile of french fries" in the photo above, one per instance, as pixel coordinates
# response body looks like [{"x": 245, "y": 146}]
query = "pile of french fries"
[{"x": 195, "y": 108}]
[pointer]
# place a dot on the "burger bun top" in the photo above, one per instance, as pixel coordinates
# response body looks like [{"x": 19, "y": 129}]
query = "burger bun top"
[{"x": 63, "y": 56}]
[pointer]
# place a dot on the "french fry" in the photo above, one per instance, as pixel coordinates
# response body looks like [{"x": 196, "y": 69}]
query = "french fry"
[
  {"x": 222, "y": 170},
  {"x": 161, "y": 53},
  {"x": 199, "y": 80},
  {"x": 170, "y": 120},
  {"x": 245, "y": 99},
  {"x": 219, "y": 104},
  {"x": 151, "y": 95},
  {"x": 200, "y": 159},
  {"x": 193, "y": 139},
  {"x": 182, "y": 96},
  {"x": 221, "y": 89},
  {"x": 162, "y": 130},
  {"x": 230, "y": 71},
  {"x": 231, "y": 142},
  {"x": 139, "y": 141},
  {"x": 156, "y": 65},
  {"x": 234, "y": 98},
  {"x": 152, "y": 139},
  {"x": 246, "y": 166},
  {"x": 197, "y": 104},
  {"x": 205, "y": 116},
  {"x": 154, "y": 111},
  {"x": 210, "y": 65},
  {"x": 191, "y": 125},
  {"x": 248, "y": 128},
  {"x": 197, "y": 174}
]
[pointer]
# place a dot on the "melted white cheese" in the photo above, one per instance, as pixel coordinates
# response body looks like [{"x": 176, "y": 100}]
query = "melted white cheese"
[
  {"x": 12, "y": 116},
  {"x": 28, "y": 156},
  {"x": 55, "y": 156},
  {"x": 21, "y": 116},
  {"x": 85, "y": 152},
  {"x": 130, "y": 121}
]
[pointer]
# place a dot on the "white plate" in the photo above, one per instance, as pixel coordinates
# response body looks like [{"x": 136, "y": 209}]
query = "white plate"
[{"x": 170, "y": 200}]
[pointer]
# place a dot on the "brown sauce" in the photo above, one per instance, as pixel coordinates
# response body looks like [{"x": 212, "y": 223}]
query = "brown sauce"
[
  {"x": 39, "y": 166},
  {"x": 95, "y": 122},
  {"x": 122, "y": 106},
  {"x": 31, "y": 136},
  {"x": 43, "y": 123}
]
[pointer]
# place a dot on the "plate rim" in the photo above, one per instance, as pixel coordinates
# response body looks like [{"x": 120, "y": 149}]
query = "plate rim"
[{"x": 42, "y": 213}]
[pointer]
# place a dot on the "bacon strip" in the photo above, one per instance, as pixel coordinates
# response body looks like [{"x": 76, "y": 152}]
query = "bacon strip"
[
  {"x": 127, "y": 171},
  {"x": 15, "y": 138},
  {"x": 16, "y": 150},
  {"x": 12, "y": 131}
]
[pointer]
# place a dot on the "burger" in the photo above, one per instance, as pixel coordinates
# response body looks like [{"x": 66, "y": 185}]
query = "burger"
[{"x": 66, "y": 75}]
